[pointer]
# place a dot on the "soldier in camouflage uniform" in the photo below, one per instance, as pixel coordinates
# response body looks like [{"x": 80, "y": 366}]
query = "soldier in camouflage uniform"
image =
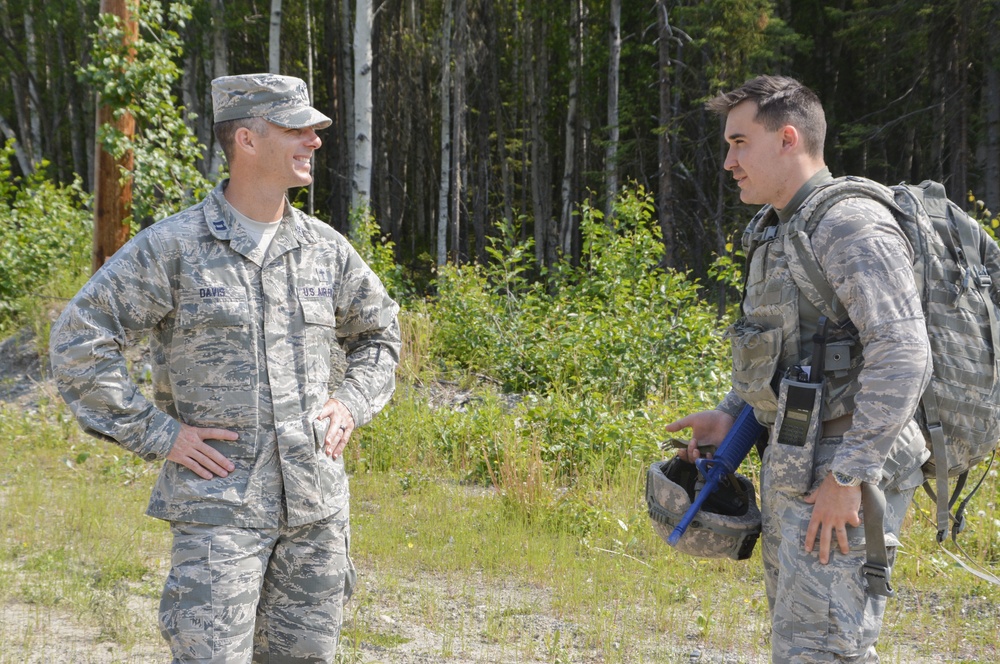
[
  {"x": 813, "y": 545},
  {"x": 241, "y": 297}
]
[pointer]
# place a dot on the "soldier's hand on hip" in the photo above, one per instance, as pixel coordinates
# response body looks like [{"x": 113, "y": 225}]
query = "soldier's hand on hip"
[
  {"x": 341, "y": 426},
  {"x": 835, "y": 508},
  {"x": 191, "y": 451}
]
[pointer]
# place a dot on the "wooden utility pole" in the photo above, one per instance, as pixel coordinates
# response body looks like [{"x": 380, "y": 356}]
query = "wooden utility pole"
[{"x": 112, "y": 195}]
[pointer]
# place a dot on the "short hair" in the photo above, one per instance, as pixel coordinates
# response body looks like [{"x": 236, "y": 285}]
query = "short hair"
[
  {"x": 780, "y": 101},
  {"x": 225, "y": 132}
]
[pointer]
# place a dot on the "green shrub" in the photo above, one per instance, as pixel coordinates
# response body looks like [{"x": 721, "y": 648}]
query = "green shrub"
[
  {"x": 603, "y": 352},
  {"x": 45, "y": 229},
  {"x": 618, "y": 326},
  {"x": 378, "y": 251}
]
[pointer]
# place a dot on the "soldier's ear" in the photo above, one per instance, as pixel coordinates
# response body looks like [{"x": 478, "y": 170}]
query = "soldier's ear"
[
  {"x": 790, "y": 137},
  {"x": 245, "y": 140}
]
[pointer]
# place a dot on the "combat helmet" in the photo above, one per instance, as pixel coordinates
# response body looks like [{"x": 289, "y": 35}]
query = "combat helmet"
[{"x": 728, "y": 524}]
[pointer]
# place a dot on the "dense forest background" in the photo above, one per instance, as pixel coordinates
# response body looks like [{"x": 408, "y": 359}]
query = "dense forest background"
[{"x": 519, "y": 111}]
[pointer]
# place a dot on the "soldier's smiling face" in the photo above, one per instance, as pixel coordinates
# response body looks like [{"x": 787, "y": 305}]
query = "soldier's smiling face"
[
  {"x": 757, "y": 158},
  {"x": 285, "y": 155}
]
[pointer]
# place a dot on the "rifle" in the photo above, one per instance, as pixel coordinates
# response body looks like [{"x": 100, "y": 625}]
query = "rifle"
[{"x": 734, "y": 448}]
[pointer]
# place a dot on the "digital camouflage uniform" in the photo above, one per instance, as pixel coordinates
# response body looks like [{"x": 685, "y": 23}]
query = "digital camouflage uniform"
[
  {"x": 241, "y": 341},
  {"x": 822, "y": 613}
]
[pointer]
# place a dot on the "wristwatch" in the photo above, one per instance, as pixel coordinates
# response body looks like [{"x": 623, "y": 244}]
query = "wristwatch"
[{"x": 843, "y": 479}]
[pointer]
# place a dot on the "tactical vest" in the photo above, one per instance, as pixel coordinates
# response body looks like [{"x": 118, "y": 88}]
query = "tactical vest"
[{"x": 774, "y": 334}]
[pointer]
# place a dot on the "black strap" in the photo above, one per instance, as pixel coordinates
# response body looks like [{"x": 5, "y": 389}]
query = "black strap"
[{"x": 876, "y": 569}]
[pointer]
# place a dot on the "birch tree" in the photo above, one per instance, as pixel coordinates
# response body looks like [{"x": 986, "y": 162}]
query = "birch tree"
[
  {"x": 346, "y": 78},
  {"x": 274, "y": 39},
  {"x": 665, "y": 165},
  {"x": 569, "y": 152},
  {"x": 220, "y": 67},
  {"x": 445, "y": 176},
  {"x": 614, "y": 65},
  {"x": 311, "y": 208},
  {"x": 23, "y": 161},
  {"x": 34, "y": 113},
  {"x": 24, "y": 148},
  {"x": 458, "y": 127},
  {"x": 362, "y": 177}
]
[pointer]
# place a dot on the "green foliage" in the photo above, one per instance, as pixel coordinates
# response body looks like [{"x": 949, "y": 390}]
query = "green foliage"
[
  {"x": 727, "y": 269},
  {"x": 602, "y": 349},
  {"x": 740, "y": 38},
  {"x": 137, "y": 78},
  {"x": 45, "y": 228},
  {"x": 378, "y": 251},
  {"x": 989, "y": 220},
  {"x": 617, "y": 326}
]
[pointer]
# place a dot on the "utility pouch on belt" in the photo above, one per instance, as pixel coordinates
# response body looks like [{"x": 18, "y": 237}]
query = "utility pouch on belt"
[
  {"x": 799, "y": 423},
  {"x": 755, "y": 361}
]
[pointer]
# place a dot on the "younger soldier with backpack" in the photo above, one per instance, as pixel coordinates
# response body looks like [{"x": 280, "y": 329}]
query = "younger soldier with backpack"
[{"x": 834, "y": 428}]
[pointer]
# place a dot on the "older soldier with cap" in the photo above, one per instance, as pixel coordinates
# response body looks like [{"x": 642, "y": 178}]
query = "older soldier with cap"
[
  {"x": 813, "y": 545},
  {"x": 241, "y": 297}
]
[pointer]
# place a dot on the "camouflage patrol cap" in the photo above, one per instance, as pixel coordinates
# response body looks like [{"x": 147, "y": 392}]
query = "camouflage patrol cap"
[
  {"x": 283, "y": 100},
  {"x": 728, "y": 524}
]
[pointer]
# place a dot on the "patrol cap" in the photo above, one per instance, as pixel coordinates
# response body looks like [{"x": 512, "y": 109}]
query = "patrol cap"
[{"x": 283, "y": 100}]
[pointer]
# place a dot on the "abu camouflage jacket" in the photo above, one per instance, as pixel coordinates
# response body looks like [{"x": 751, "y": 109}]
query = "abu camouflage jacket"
[
  {"x": 868, "y": 262},
  {"x": 239, "y": 341}
]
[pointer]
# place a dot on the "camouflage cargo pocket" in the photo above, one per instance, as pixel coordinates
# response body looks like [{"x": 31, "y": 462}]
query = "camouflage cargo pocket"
[{"x": 755, "y": 360}]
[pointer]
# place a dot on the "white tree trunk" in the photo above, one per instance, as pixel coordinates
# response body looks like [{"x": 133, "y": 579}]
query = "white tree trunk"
[
  {"x": 458, "y": 128},
  {"x": 274, "y": 39},
  {"x": 362, "y": 178},
  {"x": 346, "y": 76},
  {"x": 442, "y": 226},
  {"x": 220, "y": 67},
  {"x": 575, "y": 50},
  {"x": 614, "y": 64},
  {"x": 309, "y": 82},
  {"x": 34, "y": 113},
  {"x": 24, "y": 147}
]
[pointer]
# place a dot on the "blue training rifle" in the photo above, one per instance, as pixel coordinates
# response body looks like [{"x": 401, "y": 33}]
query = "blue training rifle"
[{"x": 734, "y": 448}]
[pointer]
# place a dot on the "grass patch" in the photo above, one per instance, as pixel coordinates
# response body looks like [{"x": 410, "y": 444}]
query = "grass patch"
[
  {"x": 74, "y": 534},
  {"x": 536, "y": 568}
]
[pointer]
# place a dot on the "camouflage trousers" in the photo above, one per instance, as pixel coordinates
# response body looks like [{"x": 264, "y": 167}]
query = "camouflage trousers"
[
  {"x": 241, "y": 595},
  {"x": 822, "y": 613}
]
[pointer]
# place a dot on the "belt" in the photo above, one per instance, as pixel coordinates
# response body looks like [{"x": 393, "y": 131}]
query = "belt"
[{"x": 837, "y": 426}]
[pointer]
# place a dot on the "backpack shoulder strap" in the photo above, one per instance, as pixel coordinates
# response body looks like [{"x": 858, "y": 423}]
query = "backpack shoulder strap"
[
  {"x": 759, "y": 230},
  {"x": 803, "y": 263}
]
